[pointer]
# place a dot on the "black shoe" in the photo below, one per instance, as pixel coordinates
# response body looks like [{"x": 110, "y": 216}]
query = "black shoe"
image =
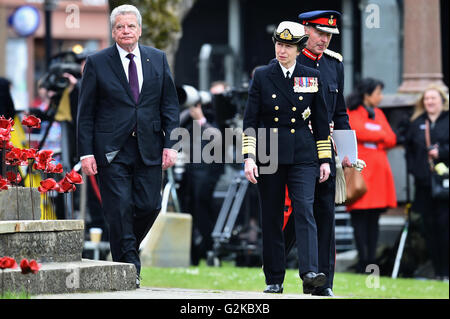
[
  {"x": 274, "y": 289},
  {"x": 308, "y": 289},
  {"x": 327, "y": 292},
  {"x": 138, "y": 281},
  {"x": 311, "y": 279}
]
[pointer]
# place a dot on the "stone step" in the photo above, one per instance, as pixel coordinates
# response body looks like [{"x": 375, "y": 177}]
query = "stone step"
[
  {"x": 71, "y": 277},
  {"x": 20, "y": 197},
  {"x": 43, "y": 240}
]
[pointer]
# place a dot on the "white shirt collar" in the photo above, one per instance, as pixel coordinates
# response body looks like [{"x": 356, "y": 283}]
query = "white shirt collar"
[
  {"x": 123, "y": 54},
  {"x": 291, "y": 69}
]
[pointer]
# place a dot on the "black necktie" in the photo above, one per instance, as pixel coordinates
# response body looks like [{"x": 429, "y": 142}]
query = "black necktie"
[
  {"x": 288, "y": 75},
  {"x": 133, "y": 77}
]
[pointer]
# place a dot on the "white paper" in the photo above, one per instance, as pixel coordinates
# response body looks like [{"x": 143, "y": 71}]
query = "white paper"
[{"x": 346, "y": 144}]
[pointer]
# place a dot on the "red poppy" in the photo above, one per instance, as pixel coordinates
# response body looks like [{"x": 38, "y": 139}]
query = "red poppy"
[
  {"x": 31, "y": 121},
  {"x": 57, "y": 169},
  {"x": 6, "y": 123},
  {"x": 16, "y": 157},
  {"x": 74, "y": 178},
  {"x": 7, "y": 262},
  {"x": 29, "y": 267},
  {"x": 42, "y": 159},
  {"x": 3, "y": 184},
  {"x": 13, "y": 178},
  {"x": 5, "y": 135},
  {"x": 44, "y": 156},
  {"x": 65, "y": 186},
  {"x": 30, "y": 152},
  {"x": 47, "y": 185}
]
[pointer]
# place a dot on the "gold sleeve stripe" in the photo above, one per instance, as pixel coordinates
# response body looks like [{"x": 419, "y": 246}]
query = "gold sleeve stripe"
[
  {"x": 248, "y": 137},
  {"x": 249, "y": 142},
  {"x": 324, "y": 154},
  {"x": 248, "y": 150}
]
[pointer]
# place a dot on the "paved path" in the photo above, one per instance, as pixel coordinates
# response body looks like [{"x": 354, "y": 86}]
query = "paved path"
[{"x": 175, "y": 293}]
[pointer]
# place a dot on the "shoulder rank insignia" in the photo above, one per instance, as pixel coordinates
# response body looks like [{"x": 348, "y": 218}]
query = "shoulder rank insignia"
[
  {"x": 333, "y": 54},
  {"x": 306, "y": 84}
]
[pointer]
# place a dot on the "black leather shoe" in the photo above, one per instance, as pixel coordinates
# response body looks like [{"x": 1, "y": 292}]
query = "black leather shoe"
[
  {"x": 308, "y": 289},
  {"x": 327, "y": 292},
  {"x": 274, "y": 289},
  {"x": 138, "y": 281},
  {"x": 311, "y": 279}
]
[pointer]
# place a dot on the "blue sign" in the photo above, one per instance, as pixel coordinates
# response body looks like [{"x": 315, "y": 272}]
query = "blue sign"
[{"x": 25, "y": 20}]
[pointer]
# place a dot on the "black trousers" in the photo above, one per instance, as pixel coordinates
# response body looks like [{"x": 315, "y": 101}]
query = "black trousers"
[
  {"x": 435, "y": 227},
  {"x": 201, "y": 180},
  {"x": 300, "y": 180},
  {"x": 325, "y": 221},
  {"x": 365, "y": 231},
  {"x": 131, "y": 200}
]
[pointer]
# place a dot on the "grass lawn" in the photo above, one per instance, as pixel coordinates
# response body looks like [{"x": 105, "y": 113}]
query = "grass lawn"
[{"x": 346, "y": 285}]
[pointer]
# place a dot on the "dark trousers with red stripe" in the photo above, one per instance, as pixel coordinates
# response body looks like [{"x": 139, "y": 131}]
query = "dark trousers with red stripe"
[
  {"x": 325, "y": 221},
  {"x": 300, "y": 179}
]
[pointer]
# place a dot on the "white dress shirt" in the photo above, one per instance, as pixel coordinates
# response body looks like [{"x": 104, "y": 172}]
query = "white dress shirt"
[
  {"x": 126, "y": 62},
  {"x": 291, "y": 69}
]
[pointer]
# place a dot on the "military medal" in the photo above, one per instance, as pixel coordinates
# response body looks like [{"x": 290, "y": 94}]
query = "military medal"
[{"x": 305, "y": 84}]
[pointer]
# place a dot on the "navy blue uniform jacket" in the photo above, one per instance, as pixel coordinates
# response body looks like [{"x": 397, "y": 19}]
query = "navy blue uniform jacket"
[{"x": 274, "y": 106}]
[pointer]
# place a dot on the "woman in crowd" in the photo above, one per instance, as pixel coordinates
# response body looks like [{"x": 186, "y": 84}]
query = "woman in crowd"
[
  {"x": 432, "y": 107},
  {"x": 374, "y": 136}
]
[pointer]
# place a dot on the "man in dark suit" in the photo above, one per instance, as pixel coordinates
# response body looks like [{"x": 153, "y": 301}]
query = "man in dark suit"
[
  {"x": 128, "y": 108},
  {"x": 283, "y": 98},
  {"x": 320, "y": 25}
]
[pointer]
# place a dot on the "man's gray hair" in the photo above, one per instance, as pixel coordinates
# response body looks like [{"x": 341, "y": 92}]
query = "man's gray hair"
[{"x": 125, "y": 9}]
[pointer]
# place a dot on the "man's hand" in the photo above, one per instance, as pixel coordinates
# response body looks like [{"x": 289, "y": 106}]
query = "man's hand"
[
  {"x": 346, "y": 162},
  {"x": 251, "y": 170},
  {"x": 324, "y": 172},
  {"x": 169, "y": 158},
  {"x": 89, "y": 165}
]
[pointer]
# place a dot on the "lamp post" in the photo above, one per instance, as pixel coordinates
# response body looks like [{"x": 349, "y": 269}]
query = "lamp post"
[{"x": 49, "y": 5}]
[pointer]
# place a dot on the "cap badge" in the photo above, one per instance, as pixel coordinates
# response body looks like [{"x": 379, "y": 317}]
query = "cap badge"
[
  {"x": 330, "y": 20},
  {"x": 286, "y": 35}
]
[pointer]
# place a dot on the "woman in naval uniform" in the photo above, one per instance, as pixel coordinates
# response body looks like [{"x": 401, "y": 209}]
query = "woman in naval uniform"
[{"x": 283, "y": 98}]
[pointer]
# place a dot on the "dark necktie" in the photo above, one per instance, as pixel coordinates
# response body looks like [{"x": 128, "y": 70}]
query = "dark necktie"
[
  {"x": 288, "y": 75},
  {"x": 133, "y": 77}
]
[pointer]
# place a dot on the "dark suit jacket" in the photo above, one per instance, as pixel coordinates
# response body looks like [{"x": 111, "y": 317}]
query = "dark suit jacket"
[
  {"x": 107, "y": 112},
  {"x": 273, "y": 105}
]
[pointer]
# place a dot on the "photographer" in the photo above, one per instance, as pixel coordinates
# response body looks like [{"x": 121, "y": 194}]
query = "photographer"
[{"x": 201, "y": 177}]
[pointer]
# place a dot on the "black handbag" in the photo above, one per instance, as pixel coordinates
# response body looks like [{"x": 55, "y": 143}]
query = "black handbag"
[{"x": 439, "y": 183}]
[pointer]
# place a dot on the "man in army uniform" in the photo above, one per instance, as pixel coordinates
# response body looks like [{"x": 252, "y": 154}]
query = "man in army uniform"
[
  {"x": 283, "y": 98},
  {"x": 320, "y": 26}
]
